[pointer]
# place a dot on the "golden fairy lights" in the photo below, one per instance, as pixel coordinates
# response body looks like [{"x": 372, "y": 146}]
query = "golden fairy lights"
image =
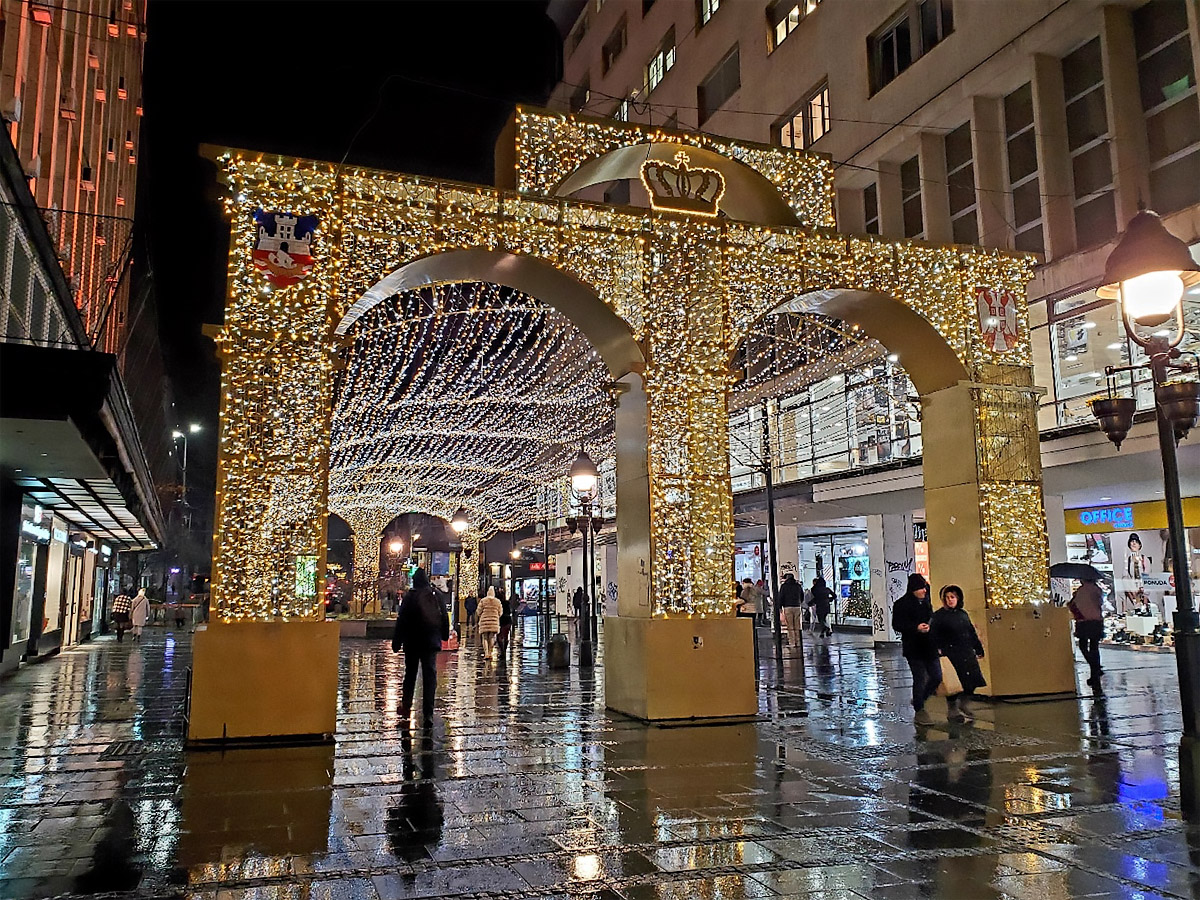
[{"x": 691, "y": 290}]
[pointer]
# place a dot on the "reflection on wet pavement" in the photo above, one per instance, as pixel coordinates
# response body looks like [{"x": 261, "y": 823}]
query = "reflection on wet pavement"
[{"x": 527, "y": 788}]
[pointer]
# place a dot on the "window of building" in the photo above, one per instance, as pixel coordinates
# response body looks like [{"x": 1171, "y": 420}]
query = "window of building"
[
  {"x": 621, "y": 113},
  {"x": 1089, "y": 145},
  {"x": 721, "y": 84},
  {"x": 784, "y": 17},
  {"x": 708, "y": 9},
  {"x": 960, "y": 185},
  {"x": 580, "y": 97},
  {"x": 807, "y": 123},
  {"x": 646, "y": 5},
  {"x": 578, "y": 33},
  {"x": 890, "y": 52},
  {"x": 1168, "y": 88},
  {"x": 910, "y": 193},
  {"x": 661, "y": 62},
  {"x": 918, "y": 28},
  {"x": 1023, "y": 182},
  {"x": 613, "y": 46},
  {"x": 937, "y": 22},
  {"x": 871, "y": 209}
]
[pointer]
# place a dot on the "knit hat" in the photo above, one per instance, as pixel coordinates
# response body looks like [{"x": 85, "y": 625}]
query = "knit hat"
[
  {"x": 420, "y": 579},
  {"x": 916, "y": 582}
]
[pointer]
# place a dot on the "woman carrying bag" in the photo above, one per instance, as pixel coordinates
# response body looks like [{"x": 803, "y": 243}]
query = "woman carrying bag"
[{"x": 959, "y": 645}]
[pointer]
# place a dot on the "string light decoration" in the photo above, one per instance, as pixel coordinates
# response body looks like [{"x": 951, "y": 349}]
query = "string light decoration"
[
  {"x": 460, "y": 395},
  {"x": 689, "y": 288}
]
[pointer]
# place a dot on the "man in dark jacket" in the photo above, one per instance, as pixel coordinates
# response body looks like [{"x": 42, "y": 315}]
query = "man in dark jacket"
[
  {"x": 421, "y": 626},
  {"x": 910, "y": 617},
  {"x": 821, "y": 601},
  {"x": 790, "y": 597}
]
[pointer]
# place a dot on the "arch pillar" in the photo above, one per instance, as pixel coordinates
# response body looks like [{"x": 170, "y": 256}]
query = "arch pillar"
[{"x": 367, "y": 524}]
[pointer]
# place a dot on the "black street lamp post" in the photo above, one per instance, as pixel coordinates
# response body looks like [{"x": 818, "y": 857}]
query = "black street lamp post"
[
  {"x": 1148, "y": 272},
  {"x": 585, "y": 486}
]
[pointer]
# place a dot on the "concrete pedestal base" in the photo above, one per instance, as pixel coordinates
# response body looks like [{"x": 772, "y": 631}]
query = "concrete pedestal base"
[
  {"x": 663, "y": 670},
  {"x": 259, "y": 682},
  {"x": 1026, "y": 653}
]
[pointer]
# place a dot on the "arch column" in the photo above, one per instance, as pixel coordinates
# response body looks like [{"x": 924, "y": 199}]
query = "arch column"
[{"x": 367, "y": 524}]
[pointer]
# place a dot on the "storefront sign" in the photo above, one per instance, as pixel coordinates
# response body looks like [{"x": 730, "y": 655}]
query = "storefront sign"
[
  {"x": 1158, "y": 581},
  {"x": 60, "y": 536},
  {"x": 537, "y": 567},
  {"x": 1119, "y": 518},
  {"x": 37, "y": 532}
]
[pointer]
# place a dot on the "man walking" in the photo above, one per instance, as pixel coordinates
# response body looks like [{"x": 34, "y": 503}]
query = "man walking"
[
  {"x": 421, "y": 627},
  {"x": 1087, "y": 607},
  {"x": 910, "y": 617},
  {"x": 790, "y": 598}
]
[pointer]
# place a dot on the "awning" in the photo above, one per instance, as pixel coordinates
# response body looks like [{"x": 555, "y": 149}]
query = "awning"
[{"x": 68, "y": 440}]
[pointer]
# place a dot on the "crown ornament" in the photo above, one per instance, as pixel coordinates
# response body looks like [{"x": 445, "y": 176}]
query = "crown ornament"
[{"x": 682, "y": 188}]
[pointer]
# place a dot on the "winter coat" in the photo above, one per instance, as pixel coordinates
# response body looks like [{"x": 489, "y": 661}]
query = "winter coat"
[
  {"x": 488, "y": 614},
  {"x": 421, "y": 624},
  {"x": 955, "y": 638},
  {"x": 139, "y": 611},
  {"x": 790, "y": 593},
  {"x": 909, "y": 612},
  {"x": 506, "y": 613},
  {"x": 1087, "y": 603},
  {"x": 821, "y": 599}
]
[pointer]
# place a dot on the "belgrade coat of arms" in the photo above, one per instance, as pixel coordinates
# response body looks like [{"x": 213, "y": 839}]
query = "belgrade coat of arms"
[
  {"x": 997, "y": 318},
  {"x": 283, "y": 249}
]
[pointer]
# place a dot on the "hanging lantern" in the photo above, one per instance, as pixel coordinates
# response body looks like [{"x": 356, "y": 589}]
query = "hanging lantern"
[
  {"x": 1180, "y": 403},
  {"x": 1115, "y": 415}
]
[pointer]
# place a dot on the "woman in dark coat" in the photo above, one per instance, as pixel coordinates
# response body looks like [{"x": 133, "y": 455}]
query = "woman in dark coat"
[{"x": 956, "y": 639}]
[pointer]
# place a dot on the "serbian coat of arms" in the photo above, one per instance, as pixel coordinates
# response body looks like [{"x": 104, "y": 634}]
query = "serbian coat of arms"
[
  {"x": 997, "y": 318},
  {"x": 283, "y": 249}
]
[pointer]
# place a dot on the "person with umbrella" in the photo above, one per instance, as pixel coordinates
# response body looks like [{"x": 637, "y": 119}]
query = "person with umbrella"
[{"x": 1087, "y": 607}]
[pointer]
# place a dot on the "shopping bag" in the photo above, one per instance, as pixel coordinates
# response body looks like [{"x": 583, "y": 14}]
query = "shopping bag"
[{"x": 950, "y": 684}]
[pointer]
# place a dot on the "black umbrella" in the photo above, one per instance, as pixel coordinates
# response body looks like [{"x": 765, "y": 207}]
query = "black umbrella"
[{"x": 1077, "y": 570}]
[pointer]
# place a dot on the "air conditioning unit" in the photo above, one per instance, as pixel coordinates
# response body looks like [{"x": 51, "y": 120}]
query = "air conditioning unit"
[
  {"x": 87, "y": 180},
  {"x": 41, "y": 12},
  {"x": 10, "y": 110},
  {"x": 32, "y": 167}
]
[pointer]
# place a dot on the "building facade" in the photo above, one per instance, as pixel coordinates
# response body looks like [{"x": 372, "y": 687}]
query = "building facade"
[
  {"x": 1039, "y": 126},
  {"x": 81, "y": 390}
]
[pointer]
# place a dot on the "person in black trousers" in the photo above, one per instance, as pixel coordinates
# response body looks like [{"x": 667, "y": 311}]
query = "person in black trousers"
[
  {"x": 421, "y": 627},
  {"x": 910, "y": 617},
  {"x": 956, "y": 639}
]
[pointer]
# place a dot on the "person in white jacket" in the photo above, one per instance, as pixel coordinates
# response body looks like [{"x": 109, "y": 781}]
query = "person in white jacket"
[{"x": 139, "y": 612}]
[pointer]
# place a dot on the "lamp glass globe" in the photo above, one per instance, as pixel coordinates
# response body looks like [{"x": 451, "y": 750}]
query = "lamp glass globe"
[{"x": 1151, "y": 299}]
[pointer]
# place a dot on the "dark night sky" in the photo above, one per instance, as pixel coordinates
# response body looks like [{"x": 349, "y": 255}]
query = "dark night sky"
[{"x": 302, "y": 79}]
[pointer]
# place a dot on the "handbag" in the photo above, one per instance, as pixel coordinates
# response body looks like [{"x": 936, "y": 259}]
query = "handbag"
[{"x": 950, "y": 683}]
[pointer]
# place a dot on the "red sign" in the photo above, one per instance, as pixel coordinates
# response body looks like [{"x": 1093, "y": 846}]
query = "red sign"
[{"x": 537, "y": 567}]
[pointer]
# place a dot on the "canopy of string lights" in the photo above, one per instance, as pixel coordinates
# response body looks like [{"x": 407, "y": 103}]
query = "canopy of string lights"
[{"x": 465, "y": 395}]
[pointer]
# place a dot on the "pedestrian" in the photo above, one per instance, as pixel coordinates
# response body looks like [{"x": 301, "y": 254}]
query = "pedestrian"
[
  {"x": 489, "y": 612},
  {"x": 122, "y": 603},
  {"x": 790, "y": 598},
  {"x": 506, "y": 621},
  {"x": 820, "y": 598},
  {"x": 747, "y": 602},
  {"x": 421, "y": 627},
  {"x": 957, "y": 640},
  {"x": 1087, "y": 607},
  {"x": 139, "y": 611},
  {"x": 910, "y": 618},
  {"x": 578, "y": 600},
  {"x": 471, "y": 604}
]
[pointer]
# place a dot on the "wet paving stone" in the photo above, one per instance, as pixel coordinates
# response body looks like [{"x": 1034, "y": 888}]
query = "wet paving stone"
[{"x": 526, "y": 787}]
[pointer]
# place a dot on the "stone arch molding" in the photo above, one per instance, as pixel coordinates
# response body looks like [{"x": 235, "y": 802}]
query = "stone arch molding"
[{"x": 685, "y": 289}]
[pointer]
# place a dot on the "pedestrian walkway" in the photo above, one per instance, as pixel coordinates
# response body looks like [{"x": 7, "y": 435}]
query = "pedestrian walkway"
[{"x": 527, "y": 788}]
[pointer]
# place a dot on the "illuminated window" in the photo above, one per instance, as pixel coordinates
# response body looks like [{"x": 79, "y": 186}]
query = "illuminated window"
[
  {"x": 580, "y": 98},
  {"x": 708, "y": 9},
  {"x": 808, "y": 123},
  {"x": 784, "y": 17},
  {"x": 661, "y": 62},
  {"x": 621, "y": 113}
]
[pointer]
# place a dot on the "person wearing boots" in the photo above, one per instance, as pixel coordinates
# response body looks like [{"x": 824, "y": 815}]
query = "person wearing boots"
[
  {"x": 910, "y": 617},
  {"x": 956, "y": 639},
  {"x": 1087, "y": 607}
]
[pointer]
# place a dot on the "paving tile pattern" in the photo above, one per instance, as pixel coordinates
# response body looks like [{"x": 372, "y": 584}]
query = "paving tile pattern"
[{"x": 526, "y": 787}]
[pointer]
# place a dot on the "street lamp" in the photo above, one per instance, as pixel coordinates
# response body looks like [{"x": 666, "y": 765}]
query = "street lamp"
[
  {"x": 1147, "y": 272},
  {"x": 177, "y": 435},
  {"x": 585, "y": 486},
  {"x": 461, "y": 521}
]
